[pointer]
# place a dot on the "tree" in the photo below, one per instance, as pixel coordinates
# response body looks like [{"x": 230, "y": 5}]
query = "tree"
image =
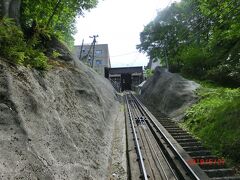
[
  {"x": 38, "y": 23},
  {"x": 57, "y": 16},
  {"x": 197, "y": 37},
  {"x": 11, "y": 8}
]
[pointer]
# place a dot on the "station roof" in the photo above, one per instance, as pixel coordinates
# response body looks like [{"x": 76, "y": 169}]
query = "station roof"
[{"x": 125, "y": 70}]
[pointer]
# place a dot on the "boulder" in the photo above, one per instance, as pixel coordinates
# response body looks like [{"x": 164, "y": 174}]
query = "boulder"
[{"x": 169, "y": 94}]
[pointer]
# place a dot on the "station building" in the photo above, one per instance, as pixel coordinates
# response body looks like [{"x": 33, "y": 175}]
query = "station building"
[
  {"x": 101, "y": 56},
  {"x": 125, "y": 78}
]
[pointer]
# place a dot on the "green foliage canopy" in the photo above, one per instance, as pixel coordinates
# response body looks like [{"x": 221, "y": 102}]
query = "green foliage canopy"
[
  {"x": 198, "y": 37},
  {"x": 58, "y": 16},
  {"x": 26, "y": 42}
]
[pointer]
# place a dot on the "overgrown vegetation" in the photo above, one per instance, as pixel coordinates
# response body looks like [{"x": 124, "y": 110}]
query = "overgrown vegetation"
[
  {"x": 215, "y": 120},
  {"x": 148, "y": 73},
  {"x": 15, "y": 48},
  {"x": 26, "y": 28},
  {"x": 200, "y": 38}
]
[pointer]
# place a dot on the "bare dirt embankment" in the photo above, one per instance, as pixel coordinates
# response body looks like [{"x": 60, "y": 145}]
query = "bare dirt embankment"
[
  {"x": 57, "y": 124},
  {"x": 168, "y": 94}
]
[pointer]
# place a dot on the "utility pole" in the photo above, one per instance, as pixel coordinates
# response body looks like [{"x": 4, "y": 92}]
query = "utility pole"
[
  {"x": 94, "y": 42},
  {"x": 80, "y": 56}
]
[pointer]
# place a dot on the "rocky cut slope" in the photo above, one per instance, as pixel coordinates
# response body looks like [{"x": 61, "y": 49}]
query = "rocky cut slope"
[
  {"x": 168, "y": 94},
  {"x": 55, "y": 125}
]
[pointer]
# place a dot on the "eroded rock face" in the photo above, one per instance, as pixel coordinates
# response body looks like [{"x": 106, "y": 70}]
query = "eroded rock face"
[
  {"x": 56, "y": 125},
  {"x": 169, "y": 93}
]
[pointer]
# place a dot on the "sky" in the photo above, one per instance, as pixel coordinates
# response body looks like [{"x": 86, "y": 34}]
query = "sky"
[{"x": 118, "y": 23}]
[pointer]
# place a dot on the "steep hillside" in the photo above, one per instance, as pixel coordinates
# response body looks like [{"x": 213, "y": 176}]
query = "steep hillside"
[
  {"x": 56, "y": 124},
  {"x": 215, "y": 120}
]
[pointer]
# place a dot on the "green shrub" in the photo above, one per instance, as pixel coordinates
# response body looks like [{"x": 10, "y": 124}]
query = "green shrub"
[
  {"x": 36, "y": 59},
  {"x": 55, "y": 54},
  {"x": 14, "y": 47},
  {"x": 215, "y": 120},
  {"x": 149, "y": 73}
]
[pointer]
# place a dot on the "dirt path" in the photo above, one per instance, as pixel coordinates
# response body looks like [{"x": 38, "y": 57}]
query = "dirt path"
[{"x": 119, "y": 161}]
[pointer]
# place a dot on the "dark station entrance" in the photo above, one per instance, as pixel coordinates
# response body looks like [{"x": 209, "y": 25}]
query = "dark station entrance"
[
  {"x": 126, "y": 82},
  {"x": 125, "y": 78}
]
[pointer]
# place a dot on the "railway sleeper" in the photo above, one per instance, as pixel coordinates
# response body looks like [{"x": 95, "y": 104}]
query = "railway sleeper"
[
  {"x": 199, "y": 152},
  {"x": 167, "y": 122},
  {"x": 219, "y": 172},
  {"x": 183, "y": 132},
  {"x": 170, "y": 126},
  {"x": 179, "y": 131},
  {"x": 226, "y": 178},
  {"x": 195, "y": 143},
  {"x": 193, "y": 148},
  {"x": 204, "y": 157},
  {"x": 186, "y": 140},
  {"x": 207, "y": 165},
  {"x": 182, "y": 137},
  {"x": 173, "y": 128},
  {"x": 178, "y": 134}
]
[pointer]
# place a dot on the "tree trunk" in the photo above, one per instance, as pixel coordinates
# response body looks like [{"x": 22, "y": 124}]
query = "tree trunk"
[
  {"x": 14, "y": 10},
  {"x": 11, "y": 9},
  {"x": 4, "y": 7},
  {"x": 54, "y": 12}
]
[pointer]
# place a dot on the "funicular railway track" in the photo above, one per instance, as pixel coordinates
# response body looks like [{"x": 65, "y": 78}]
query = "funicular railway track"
[
  {"x": 156, "y": 166},
  {"x": 163, "y": 150}
]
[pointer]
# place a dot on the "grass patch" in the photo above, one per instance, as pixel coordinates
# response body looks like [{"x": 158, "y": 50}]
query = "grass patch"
[{"x": 215, "y": 119}]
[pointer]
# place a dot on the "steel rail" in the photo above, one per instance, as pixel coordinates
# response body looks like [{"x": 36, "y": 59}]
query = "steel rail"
[
  {"x": 163, "y": 155},
  {"x": 143, "y": 135},
  {"x": 158, "y": 160},
  {"x": 194, "y": 175},
  {"x": 153, "y": 150},
  {"x": 143, "y": 169}
]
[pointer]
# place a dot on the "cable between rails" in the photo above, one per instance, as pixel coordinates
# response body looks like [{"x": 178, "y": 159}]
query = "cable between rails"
[{"x": 143, "y": 169}]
